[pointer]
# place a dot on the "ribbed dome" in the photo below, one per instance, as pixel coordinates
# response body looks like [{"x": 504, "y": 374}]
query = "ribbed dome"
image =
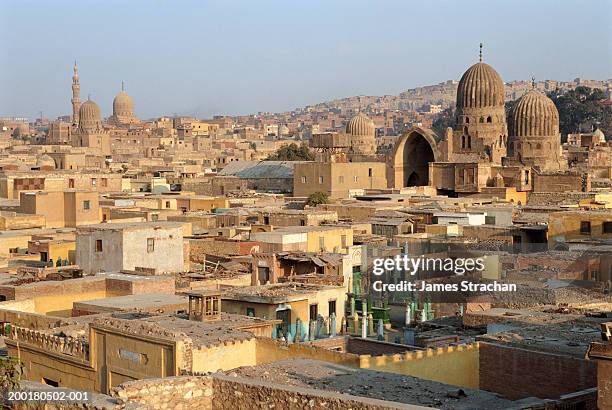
[
  {"x": 123, "y": 105},
  {"x": 535, "y": 115},
  {"x": 89, "y": 116},
  {"x": 361, "y": 124},
  {"x": 480, "y": 87}
]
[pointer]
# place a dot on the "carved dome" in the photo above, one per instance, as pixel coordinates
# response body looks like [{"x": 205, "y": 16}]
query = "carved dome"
[
  {"x": 89, "y": 116},
  {"x": 361, "y": 124},
  {"x": 123, "y": 105},
  {"x": 535, "y": 115},
  {"x": 480, "y": 87}
]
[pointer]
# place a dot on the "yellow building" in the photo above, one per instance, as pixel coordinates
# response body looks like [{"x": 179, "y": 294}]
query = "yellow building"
[
  {"x": 51, "y": 250},
  {"x": 338, "y": 179},
  {"x": 566, "y": 226},
  {"x": 294, "y": 304},
  {"x": 334, "y": 239}
]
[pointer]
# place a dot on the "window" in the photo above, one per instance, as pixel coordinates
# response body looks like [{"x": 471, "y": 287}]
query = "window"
[
  {"x": 104, "y": 182},
  {"x": 250, "y": 312},
  {"x": 86, "y": 205},
  {"x": 50, "y": 382},
  {"x": 322, "y": 243},
  {"x": 167, "y": 204},
  {"x": 150, "y": 245},
  {"x": 154, "y": 217},
  {"x": 489, "y": 120},
  {"x": 71, "y": 183},
  {"x": 98, "y": 245},
  {"x": 320, "y": 180},
  {"x": 355, "y": 178},
  {"x": 585, "y": 227},
  {"x": 343, "y": 240},
  {"x": 341, "y": 179},
  {"x": 302, "y": 222},
  {"x": 93, "y": 182},
  {"x": 467, "y": 120},
  {"x": 369, "y": 172},
  {"x": 463, "y": 141},
  {"x": 314, "y": 311},
  {"x": 332, "y": 307},
  {"x": 469, "y": 145},
  {"x": 303, "y": 180},
  {"x": 607, "y": 227}
]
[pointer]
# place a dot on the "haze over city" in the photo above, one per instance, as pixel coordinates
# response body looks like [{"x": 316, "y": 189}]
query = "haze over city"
[
  {"x": 207, "y": 58},
  {"x": 306, "y": 205}
]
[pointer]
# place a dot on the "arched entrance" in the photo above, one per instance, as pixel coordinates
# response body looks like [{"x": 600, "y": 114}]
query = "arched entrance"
[{"x": 412, "y": 155}]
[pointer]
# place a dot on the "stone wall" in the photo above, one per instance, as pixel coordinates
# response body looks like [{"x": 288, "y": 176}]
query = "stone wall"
[
  {"x": 231, "y": 393},
  {"x": 188, "y": 392},
  {"x": 519, "y": 373},
  {"x": 223, "y": 392}
]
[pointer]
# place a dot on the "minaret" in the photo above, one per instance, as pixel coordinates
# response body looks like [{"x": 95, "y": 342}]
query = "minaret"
[{"x": 76, "y": 95}]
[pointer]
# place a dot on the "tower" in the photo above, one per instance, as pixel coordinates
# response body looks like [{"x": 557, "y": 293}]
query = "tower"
[
  {"x": 534, "y": 134},
  {"x": 480, "y": 132},
  {"x": 76, "y": 95}
]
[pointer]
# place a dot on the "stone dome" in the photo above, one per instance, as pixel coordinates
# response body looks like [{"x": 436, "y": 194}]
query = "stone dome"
[
  {"x": 89, "y": 116},
  {"x": 535, "y": 115},
  {"x": 45, "y": 161},
  {"x": 361, "y": 124},
  {"x": 480, "y": 87},
  {"x": 123, "y": 105}
]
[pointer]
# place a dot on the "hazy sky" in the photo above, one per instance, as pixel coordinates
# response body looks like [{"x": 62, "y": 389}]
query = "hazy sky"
[{"x": 235, "y": 57}]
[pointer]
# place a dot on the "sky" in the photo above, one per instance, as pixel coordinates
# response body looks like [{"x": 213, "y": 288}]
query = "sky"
[{"x": 229, "y": 57}]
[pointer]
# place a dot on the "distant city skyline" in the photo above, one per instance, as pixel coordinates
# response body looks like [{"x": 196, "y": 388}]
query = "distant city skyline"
[{"x": 214, "y": 58}]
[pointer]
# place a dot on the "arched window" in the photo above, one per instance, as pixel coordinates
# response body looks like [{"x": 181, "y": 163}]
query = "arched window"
[
  {"x": 469, "y": 142},
  {"x": 501, "y": 140},
  {"x": 467, "y": 120},
  {"x": 489, "y": 119},
  {"x": 481, "y": 119},
  {"x": 539, "y": 146},
  {"x": 463, "y": 141}
]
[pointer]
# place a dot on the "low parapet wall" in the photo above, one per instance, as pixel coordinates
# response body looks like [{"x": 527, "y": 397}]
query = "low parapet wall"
[{"x": 455, "y": 365}]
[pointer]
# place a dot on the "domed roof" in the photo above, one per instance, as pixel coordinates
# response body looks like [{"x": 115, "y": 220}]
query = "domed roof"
[
  {"x": 535, "y": 114},
  {"x": 123, "y": 104},
  {"x": 480, "y": 87},
  {"x": 89, "y": 116},
  {"x": 361, "y": 124}
]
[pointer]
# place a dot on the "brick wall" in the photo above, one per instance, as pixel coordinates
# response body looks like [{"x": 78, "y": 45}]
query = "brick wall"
[{"x": 519, "y": 373}]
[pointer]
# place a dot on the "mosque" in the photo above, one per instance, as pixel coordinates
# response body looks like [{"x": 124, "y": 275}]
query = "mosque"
[
  {"x": 87, "y": 128},
  {"x": 480, "y": 155}
]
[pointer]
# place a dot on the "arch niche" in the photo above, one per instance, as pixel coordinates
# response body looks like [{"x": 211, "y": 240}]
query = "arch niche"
[{"x": 411, "y": 157}]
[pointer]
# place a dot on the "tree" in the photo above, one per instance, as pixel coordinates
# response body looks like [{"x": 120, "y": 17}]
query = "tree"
[
  {"x": 317, "y": 198},
  {"x": 582, "y": 108},
  {"x": 444, "y": 120},
  {"x": 292, "y": 152}
]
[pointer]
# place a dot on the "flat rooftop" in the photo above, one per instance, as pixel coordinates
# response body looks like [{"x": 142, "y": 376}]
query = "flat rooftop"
[
  {"x": 132, "y": 302},
  {"x": 131, "y": 225},
  {"x": 274, "y": 293},
  {"x": 228, "y": 328},
  {"x": 372, "y": 384}
]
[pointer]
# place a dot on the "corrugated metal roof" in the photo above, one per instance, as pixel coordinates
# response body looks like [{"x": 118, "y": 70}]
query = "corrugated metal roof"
[{"x": 260, "y": 169}]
